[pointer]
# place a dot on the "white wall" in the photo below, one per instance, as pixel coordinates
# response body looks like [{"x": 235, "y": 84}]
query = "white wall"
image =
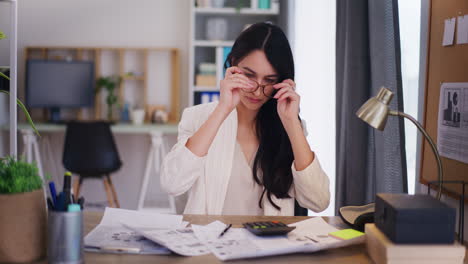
[{"x": 148, "y": 23}]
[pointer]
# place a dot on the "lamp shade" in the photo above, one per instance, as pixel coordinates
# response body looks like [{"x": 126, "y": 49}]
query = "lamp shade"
[{"x": 375, "y": 110}]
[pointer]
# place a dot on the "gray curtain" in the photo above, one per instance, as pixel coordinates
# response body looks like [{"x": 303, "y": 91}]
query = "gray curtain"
[{"x": 368, "y": 161}]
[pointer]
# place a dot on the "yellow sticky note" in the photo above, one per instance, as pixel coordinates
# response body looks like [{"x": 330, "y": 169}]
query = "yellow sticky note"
[{"x": 346, "y": 234}]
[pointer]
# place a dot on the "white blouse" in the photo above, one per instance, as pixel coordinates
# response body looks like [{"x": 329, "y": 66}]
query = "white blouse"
[
  {"x": 243, "y": 193},
  {"x": 206, "y": 178}
]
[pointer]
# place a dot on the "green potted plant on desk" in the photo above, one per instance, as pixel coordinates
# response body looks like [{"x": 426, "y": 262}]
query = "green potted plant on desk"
[
  {"x": 22, "y": 206},
  {"x": 23, "y": 213},
  {"x": 109, "y": 83}
]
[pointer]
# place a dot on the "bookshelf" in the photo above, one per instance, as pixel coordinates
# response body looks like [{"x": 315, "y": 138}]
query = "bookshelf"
[
  {"x": 139, "y": 68},
  {"x": 206, "y": 49}
]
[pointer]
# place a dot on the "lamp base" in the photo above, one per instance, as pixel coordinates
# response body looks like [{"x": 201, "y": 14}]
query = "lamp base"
[{"x": 418, "y": 219}]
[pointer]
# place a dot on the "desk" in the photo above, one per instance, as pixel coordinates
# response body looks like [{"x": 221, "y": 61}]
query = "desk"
[
  {"x": 353, "y": 254},
  {"x": 157, "y": 151}
]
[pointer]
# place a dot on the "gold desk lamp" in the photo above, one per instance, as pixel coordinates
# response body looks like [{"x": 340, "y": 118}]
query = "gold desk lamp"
[{"x": 375, "y": 112}]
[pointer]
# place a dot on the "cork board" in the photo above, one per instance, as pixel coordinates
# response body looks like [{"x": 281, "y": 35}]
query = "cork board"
[{"x": 444, "y": 64}]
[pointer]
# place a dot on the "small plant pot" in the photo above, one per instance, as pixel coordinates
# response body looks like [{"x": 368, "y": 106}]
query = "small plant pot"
[{"x": 23, "y": 227}]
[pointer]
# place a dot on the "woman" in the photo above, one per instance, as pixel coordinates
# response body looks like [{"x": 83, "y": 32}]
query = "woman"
[{"x": 248, "y": 154}]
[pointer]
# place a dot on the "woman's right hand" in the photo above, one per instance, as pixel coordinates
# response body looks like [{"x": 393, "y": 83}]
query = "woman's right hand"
[{"x": 230, "y": 86}]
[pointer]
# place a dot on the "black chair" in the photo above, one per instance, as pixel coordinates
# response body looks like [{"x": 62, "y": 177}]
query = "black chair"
[
  {"x": 90, "y": 152},
  {"x": 299, "y": 210}
]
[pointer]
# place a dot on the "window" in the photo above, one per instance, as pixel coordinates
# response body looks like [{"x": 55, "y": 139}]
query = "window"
[
  {"x": 314, "y": 54},
  {"x": 409, "y": 14}
]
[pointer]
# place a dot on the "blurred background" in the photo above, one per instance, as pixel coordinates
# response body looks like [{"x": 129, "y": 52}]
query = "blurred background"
[{"x": 162, "y": 56}]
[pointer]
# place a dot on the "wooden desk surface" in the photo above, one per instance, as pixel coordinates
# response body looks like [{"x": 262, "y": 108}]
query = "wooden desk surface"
[{"x": 354, "y": 254}]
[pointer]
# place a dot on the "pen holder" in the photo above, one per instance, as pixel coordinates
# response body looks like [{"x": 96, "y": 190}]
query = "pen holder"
[{"x": 65, "y": 237}]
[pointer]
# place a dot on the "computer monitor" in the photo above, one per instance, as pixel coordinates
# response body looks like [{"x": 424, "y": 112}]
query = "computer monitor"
[{"x": 57, "y": 84}]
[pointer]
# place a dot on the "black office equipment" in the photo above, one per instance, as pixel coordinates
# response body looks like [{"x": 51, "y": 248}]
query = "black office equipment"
[
  {"x": 57, "y": 84},
  {"x": 418, "y": 219},
  {"x": 90, "y": 152},
  {"x": 271, "y": 228}
]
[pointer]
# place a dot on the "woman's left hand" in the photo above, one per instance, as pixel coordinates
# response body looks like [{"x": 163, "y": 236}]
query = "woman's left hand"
[{"x": 288, "y": 101}]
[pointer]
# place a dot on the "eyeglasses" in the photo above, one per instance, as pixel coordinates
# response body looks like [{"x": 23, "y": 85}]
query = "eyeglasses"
[{"x": 267, "y": 89}]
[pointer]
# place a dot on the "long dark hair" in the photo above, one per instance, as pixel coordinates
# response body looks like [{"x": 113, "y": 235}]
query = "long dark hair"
[{"x": 274, "y": 156}]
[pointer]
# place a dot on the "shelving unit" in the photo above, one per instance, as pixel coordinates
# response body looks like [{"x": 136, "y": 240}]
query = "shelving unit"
[
  {"x": 215, "y": 51},
  {"x": 132, "y": 64},
  {"x": 234, "y": 11}
]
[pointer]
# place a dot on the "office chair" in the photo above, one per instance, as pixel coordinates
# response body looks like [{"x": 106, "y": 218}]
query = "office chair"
[
  {"x": 299, "y": 210},
  {"x": 90, "y": 152}
]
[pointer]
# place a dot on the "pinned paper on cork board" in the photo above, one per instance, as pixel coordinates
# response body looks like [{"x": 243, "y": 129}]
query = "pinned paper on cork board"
[
  {"x": 452, "y": 128},
  {"x": 444, "y": 114}
]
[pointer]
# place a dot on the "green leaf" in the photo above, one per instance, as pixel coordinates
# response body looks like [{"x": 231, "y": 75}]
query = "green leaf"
[
  {"x": 26, "y": 113},
  {"x": 4, "y": 76},
  {"x": 111, "y": 99},
  {"x": 2, "y": 35},
  {"x": 17, "y": 176}
]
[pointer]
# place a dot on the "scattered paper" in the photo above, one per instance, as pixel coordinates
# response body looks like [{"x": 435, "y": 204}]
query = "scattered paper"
[
  {"x": 121, "y": 240},
  {"x": 115, "y": 217},
  {"x": 181, "y": 240},
  {"x": 462, "y": 30},
  {"x": 309, "y": 236},
  {"x": 111, "y": 236},
  {"x": 237, "y": 243},
  {"x": 449, "y": 32},
  {"x": 452, "y": 129}
]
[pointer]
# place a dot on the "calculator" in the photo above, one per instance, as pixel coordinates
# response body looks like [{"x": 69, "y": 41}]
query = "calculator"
[{"x": 270, "y": 228}]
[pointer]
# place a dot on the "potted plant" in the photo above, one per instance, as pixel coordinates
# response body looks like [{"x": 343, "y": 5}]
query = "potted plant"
[
  {"x": 22, "y": 206},
  {"x": 23, "y": 218},
  {"x": 109, "y": 83}
]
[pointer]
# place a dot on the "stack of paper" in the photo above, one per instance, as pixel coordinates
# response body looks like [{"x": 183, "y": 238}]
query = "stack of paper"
[
  {"x": 382, "y": 250},
  {"x": 111, "y": 236}
]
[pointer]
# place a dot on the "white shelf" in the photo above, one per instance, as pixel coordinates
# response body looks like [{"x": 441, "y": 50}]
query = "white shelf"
[
  {"x": 213, "y": 43},
  {"x": 205, "y": 89},
  {"x": 202, "y": 50},
  {"x": 234, "y": 11}
]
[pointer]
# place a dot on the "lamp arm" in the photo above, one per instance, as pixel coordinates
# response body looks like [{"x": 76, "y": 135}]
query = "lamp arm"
[{"x": 433, "y": 146}]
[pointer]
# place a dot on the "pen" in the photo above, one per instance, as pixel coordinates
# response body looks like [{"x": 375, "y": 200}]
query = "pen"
[
  {"x": 60, "y": 205},
  {"x": 53, "y": 192},
  {"x": 225, "y": 230},
  {"x": 50, "y": 204},
  {"x": 118, "y": 249},
  {"x": 67, "y": 189},
  {"x": 74, "y": 207},
  {"x": 81, "y": 202},
  {"x": 64, "y": 197}
]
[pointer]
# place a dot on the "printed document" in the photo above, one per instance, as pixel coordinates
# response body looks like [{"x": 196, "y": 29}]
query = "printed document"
[
  {"x": 179, "y": 240},
  {"x": 452, "y": 127},
  {"x": 111, "y": 236}
]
